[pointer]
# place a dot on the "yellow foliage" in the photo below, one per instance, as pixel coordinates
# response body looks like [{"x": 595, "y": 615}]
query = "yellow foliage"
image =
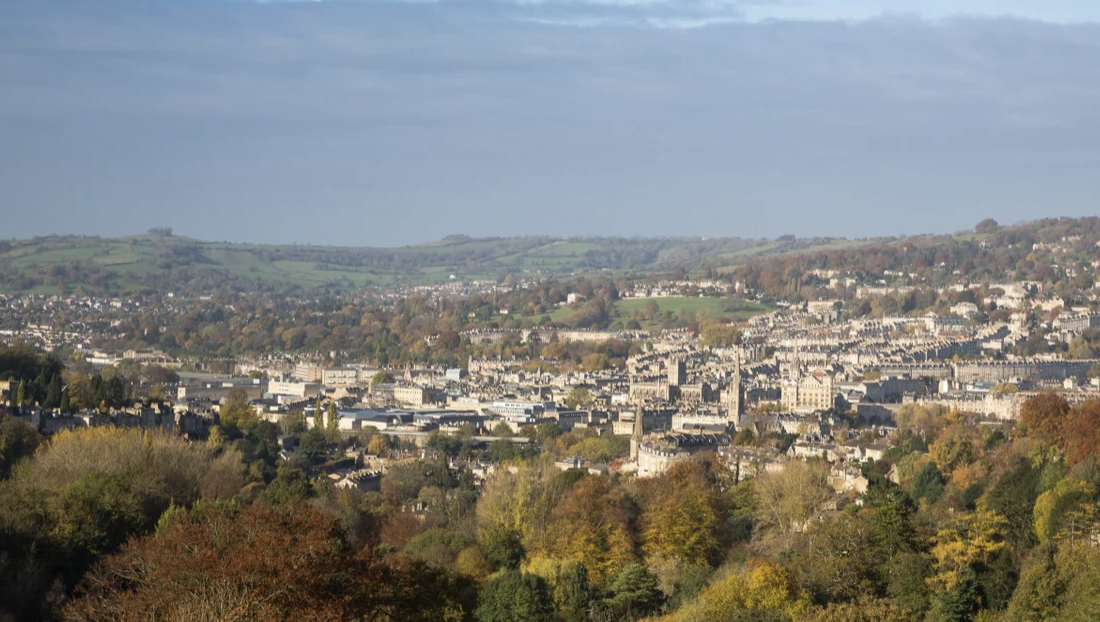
[
  {"x": 767, "y": 587},
  {"x": 154, "y": 463},
  {"x": 1052, "y": 506},
  {"x": 975, "y": 538}
]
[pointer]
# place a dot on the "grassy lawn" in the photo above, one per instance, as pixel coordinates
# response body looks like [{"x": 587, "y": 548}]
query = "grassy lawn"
[{"x": 714, "y": 307}]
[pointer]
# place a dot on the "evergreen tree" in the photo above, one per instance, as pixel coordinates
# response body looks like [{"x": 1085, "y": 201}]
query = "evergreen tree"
[
  {"x": 332, "y": 421},
  {"x": 65, "y": 405},
  {"x": 515, "y": 597},
  {"x": 21, "y": 396},
  {"x": 574, "y": 593},
  {"x": 53, "y": 392}
]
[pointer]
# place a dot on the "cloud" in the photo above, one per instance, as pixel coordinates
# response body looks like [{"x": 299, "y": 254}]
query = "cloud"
[
  {"x": 388, "y": 123},
  {"x": 1054, "y": 11}
]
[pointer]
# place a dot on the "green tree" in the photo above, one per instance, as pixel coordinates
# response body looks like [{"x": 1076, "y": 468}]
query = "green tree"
[
  {"x": 633, "y": 594},
  {"x": 503, "y": 547},
  {"x": 288, "y": 486},
  {"x": 314, "y": 444},
  {"x": 332, "y": 422},
  {"x": 573, "y": 593},
  {"x": 716, "y": 334},
  {"x": 18, "y": 440},
  {"x": 445, "y": 444},
  {"x": 547, "y": 431},
  {"x": 1014, "y": 496},
  {"x": 578, "y": 397},
  {"x": 381, "y": 377},
  {"x": 66, "y": 405},
  {"x": 295, "y": 422},
  {"x": 515, "y": 597},
  {"x": 53, "y": 392},
  {"x": 22, "y": 398},
  {"x": 927, "y": 484},
  {"x": 1052, "y": 506},
  {"x": 236, "y": 413}
]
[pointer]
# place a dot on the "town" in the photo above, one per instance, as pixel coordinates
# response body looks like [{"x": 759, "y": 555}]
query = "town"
[{"x": 427, "y": 406}]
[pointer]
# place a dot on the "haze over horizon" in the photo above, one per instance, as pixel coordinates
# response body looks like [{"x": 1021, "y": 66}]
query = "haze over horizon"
[{"x": 384, "y": 123}]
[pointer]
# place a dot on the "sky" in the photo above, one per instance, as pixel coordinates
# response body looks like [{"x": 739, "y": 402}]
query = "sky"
[{"x": 394, "y": 122}]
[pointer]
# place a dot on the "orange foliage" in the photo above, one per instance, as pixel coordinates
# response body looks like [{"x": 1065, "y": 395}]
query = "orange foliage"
[
  {"x": 1049, "y": 418},
  {"x": 1044, "y": 415},
  {"x": 261, "y": 564},
  {"x": 1081, "y": 432}
]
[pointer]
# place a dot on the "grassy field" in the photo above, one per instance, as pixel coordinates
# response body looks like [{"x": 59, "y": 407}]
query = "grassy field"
[
  {"x": 718, "y": 308},
  {"x": 713, "y": 307}
]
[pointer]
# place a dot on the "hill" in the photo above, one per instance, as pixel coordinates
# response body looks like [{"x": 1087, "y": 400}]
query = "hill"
[
  {"x": 1052, "y": 251},
  {"x": 165, "y": 262}
]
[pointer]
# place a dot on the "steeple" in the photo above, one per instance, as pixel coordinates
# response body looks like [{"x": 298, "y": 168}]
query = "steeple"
[{"x": 639, "y": 432}]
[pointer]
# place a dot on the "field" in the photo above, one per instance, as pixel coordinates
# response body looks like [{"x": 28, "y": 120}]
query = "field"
[
  {"x": 718, "y": 308},
  {"x": 713, "y": 307}
]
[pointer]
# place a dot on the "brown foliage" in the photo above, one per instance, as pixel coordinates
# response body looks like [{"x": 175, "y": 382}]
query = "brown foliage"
[
  {"x": 260, "y": 564},
  {"x": 1049, "y": 418},
  {"x": 1081, "y": 432},
  {"x": 225, "y": 477},
  {"x": 1043, "y": 416}
]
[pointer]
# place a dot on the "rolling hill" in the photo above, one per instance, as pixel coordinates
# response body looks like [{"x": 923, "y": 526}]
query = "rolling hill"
[{"x": 159, "y": 262}]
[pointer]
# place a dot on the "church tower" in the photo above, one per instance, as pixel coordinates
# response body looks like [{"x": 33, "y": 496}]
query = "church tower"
[
  {"x": 639, "y": 432},
  {"x": 732, "y": 398}
]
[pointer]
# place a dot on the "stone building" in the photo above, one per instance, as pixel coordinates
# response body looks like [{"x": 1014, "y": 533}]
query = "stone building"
[{"x": 657, "y": 455}]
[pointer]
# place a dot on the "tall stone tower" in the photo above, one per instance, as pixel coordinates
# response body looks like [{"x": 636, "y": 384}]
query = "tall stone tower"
[
  {"x": 732, "y": 398},
  {"x": 639, "y": 432},
  {"x": 677, "y": 372}
]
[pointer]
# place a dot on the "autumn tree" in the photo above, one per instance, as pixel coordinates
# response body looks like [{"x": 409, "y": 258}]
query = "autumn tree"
[
  {"x": 1081, "y": 432},
  {"x": 767, "y": 591},
  {"x": 592, "y": 524},
  {"x": 681, "y": 516},
  {"x": 260, "y": 563},
  {"x": 1044, "y": 416},
  {"x": 969, "y": 555},
  {"x": 786, "y": 501}
]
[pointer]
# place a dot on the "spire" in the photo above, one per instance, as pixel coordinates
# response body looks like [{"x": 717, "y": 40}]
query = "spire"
[{"x": 639, "y": 432}]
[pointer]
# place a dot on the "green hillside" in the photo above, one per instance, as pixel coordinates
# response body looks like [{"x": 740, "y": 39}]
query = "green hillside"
[{"x": 164, "y": 262}]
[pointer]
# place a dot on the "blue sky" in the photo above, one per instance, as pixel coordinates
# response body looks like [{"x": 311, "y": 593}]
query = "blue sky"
[{"x": 369, "y": 122}]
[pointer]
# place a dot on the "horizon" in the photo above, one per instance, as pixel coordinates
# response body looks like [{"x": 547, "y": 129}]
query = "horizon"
[{"x": 467, "y": 237}]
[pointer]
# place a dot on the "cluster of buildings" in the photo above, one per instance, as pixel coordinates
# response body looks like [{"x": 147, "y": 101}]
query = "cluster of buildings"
[{"x": 830, "y": 386}]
